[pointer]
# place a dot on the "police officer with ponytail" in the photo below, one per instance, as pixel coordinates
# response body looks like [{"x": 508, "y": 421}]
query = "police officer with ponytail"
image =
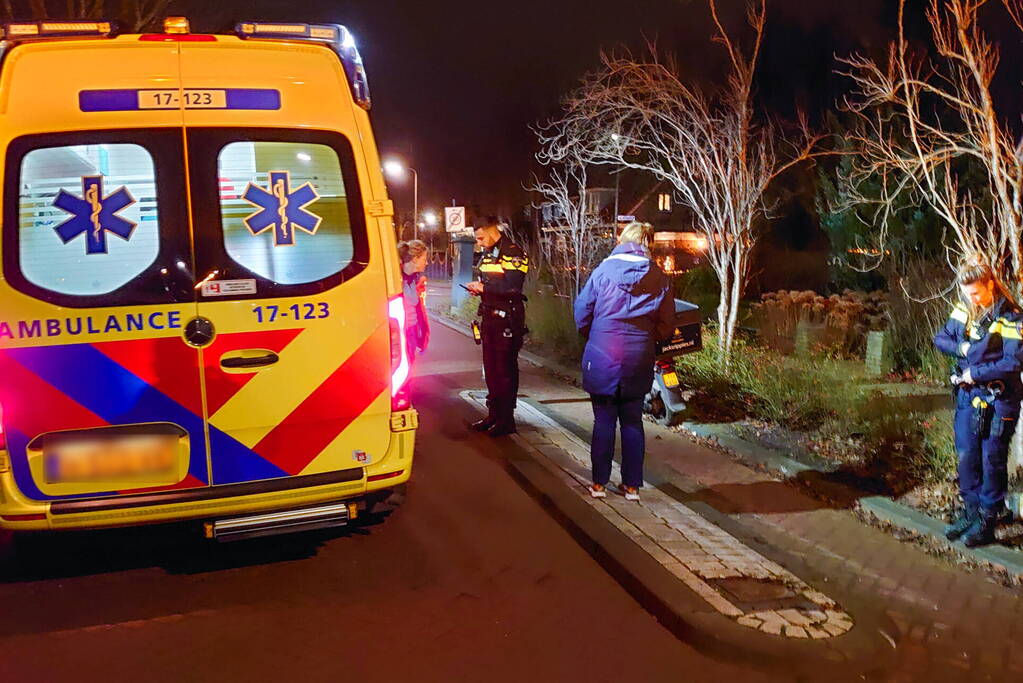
[{"x": 983, "y": 334}]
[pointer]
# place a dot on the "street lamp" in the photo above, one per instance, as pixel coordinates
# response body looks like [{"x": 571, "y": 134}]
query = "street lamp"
[{"x": 396, "y": 169}]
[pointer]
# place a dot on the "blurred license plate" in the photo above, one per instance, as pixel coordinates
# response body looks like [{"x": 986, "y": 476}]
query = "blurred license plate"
[
  {"x": 138, "y": 457},
  {"x": 670, "y": 379}
]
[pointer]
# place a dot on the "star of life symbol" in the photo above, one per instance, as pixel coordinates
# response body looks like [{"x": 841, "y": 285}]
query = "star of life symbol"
[
  {"x": 282, "y": 209},
  {"x": 94, "y": 215}
]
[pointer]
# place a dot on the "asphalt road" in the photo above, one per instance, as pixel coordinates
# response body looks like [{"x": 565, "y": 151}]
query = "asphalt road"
[{"x": 470, "y": 579}]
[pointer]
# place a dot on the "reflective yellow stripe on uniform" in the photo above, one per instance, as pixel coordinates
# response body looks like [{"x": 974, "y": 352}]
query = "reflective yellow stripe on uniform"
[
  {"x": 1008, "y": 330},
  {"x": 491, "y": 268},
  {"x": 515, "y": 263}
]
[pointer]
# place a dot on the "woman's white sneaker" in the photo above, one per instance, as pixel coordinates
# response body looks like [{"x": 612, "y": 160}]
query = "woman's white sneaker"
[
  {"x": 598, "y": 491},
  {"x": 630, "y": 492}
]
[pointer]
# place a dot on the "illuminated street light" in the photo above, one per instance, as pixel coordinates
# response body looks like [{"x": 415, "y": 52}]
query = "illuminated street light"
[
  {"x": 429, "y": 225},
  {"x": 396, "y": 169}
]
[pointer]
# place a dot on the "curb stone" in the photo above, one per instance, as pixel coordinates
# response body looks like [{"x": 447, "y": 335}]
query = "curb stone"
[
  {"x": 890, "y": 511},
  {"x": 885, "y": 509}
]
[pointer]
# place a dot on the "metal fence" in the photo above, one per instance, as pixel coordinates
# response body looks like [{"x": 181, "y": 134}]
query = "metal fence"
[{"x": 440, "y": 266}]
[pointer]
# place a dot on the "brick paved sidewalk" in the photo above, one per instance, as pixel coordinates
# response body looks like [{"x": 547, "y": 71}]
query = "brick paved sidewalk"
[
  {"x": 946, "y": 623},
  {"x": 735, "y": 580}
]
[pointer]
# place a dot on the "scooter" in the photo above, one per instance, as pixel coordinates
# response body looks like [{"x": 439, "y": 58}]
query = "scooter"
[{"x": 665, "y": 402}]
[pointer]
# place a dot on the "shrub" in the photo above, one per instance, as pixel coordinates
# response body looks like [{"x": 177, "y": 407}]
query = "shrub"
[
  {"x": 828, "y": 398},
  {"x": 801, "y": 394},
  {"x": 551, "y": 324},
  {"x": 914, "y": 315},
  {"x": 699, "y": 286},
  {"x": 841, "y": 321},
  {"x": 932, "y": 365},
  {"x": 467, "y": 310},
  {"x": 940, "y": 457}
]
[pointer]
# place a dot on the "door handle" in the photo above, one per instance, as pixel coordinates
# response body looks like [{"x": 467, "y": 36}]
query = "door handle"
[{"x": 248, "y": 358}]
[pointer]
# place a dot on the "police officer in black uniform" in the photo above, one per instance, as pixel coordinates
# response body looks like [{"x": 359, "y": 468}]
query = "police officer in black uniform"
[{"x": 502, "y": 272}]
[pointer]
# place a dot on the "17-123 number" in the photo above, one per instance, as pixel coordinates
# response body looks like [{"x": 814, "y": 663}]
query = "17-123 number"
[{"x": 308, "y": 311}]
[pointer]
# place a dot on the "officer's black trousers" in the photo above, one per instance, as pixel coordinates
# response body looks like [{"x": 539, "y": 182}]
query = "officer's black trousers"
[{"x": 502, "y": 340}]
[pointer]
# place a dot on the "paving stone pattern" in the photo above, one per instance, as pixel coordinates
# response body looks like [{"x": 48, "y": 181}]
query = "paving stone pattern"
[{"x": 734, "y": 579}]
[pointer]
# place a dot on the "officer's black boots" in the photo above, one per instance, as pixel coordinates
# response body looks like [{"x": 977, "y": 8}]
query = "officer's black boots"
[
  {"x": 502, "y": 422},
  {"x": 983, "y": 530},
  {"x": 493, "y": 426},
  {"x": 483, "y": 425},
  {"x": 962, "y": 523},
  {"x": 502, "y": 428}
]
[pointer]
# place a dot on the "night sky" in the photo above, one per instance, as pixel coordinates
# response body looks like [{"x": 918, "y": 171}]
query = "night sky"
[{"x": 455, "y": 83}]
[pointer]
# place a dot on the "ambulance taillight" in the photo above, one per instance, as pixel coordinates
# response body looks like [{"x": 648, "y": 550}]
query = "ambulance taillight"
[{"x": 399, "y": 354}]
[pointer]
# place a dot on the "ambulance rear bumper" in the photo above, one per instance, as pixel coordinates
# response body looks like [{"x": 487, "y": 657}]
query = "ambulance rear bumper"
[
  {"x": 186, "y": 496},
  {"x": 19, "y": 513}
]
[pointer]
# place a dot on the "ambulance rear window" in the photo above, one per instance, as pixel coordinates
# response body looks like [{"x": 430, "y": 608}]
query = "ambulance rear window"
[
  {"x": 284, "y": 210},
  {"x": 280, "y": 210},
  {"x": 97, "y": 218},
  {"x": 88, "y": 218}
]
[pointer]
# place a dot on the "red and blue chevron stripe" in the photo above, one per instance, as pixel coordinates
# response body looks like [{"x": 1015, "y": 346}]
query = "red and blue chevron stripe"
[{"x": 82, "y": 386}]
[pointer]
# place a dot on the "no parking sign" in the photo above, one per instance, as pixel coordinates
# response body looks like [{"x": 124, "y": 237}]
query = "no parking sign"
[{"x": 454, "y": 218}]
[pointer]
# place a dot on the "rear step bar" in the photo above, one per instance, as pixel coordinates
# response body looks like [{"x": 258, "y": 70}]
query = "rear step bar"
[{"x": 287, "y": 521}]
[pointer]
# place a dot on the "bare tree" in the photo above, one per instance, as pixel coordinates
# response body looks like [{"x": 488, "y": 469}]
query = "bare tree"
[
  {"x": 134, "y": 15},
  {"x": 142, "y": 13},
  {"x": 718, "y": 156},
  {"x": 574, "y": 245},
  {"x": 929, "y": 126}
]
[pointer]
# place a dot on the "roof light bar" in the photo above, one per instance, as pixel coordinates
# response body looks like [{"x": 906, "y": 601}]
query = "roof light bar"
[
  {"x": 28, "y": 30},
  {"x": 337, "y": 37},
  {"x": 326, "y": 33}
]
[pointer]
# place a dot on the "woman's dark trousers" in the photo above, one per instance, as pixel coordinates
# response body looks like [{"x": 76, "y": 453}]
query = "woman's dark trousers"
[{"x": 608, "y": 413}]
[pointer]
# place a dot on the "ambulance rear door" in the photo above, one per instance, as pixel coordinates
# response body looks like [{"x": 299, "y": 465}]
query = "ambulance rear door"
[
  {"x": 101, "y": 394},
  {"x": 299, "y": 371}
]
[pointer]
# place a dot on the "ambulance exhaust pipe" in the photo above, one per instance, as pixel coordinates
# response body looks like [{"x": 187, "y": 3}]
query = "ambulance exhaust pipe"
[{"x": 286, "y": 522}]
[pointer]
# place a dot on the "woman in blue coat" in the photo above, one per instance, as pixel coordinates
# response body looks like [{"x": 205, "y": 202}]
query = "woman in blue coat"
[
  {"x": 622, "y": 311},
  {"x": 983, "y": 335}
]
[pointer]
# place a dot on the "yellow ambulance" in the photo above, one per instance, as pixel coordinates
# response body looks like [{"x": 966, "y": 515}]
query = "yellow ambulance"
[{"x": 200, "y": 301}]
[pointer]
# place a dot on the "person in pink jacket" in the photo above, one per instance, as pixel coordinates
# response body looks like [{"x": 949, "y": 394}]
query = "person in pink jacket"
[{"x": 414, "y": 256}]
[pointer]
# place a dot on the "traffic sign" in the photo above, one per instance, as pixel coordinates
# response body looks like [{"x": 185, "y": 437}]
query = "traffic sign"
[{"x": 454, "y": 218}]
